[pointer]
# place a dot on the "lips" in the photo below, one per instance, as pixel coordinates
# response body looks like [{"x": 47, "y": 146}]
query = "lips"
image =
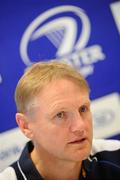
[{"x": 77, "y": 141}]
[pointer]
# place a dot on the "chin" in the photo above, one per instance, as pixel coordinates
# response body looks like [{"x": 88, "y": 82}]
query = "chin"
[
  {"x": 78, "y": 157},
  {"x": 82, "y": 155}
]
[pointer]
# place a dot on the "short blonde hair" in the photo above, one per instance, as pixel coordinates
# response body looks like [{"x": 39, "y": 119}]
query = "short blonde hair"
[{"x": 38, "y": 75}]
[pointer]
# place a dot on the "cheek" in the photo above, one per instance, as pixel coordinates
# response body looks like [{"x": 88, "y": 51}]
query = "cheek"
[
  {"x": 89, "y": 124},
  {"x": 52, "y": 140},
  {"x": 47, "y": 133}
]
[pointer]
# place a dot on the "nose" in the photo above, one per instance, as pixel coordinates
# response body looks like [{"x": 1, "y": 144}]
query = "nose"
[{"x": 77, "y": 125}]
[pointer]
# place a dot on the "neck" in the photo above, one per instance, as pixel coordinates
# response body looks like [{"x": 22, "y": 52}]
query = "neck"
[{"x": 52, "y": 168}]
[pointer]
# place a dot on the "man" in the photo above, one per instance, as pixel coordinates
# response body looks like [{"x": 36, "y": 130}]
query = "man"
[{"x": 53, "y": 111}]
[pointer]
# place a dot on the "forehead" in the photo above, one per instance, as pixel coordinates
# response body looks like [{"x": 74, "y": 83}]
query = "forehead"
[
  {"x": 61, "y": 90},
  {"x": 58, "y": 95}
]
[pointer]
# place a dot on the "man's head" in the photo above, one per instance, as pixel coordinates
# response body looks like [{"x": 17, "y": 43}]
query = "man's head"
[
  {"x": 38, "y": 76},
  {"x": 54, "y": 111}
]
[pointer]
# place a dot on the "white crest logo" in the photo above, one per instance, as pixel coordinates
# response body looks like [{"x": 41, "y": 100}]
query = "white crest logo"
[{"x": 63, "y": 32}]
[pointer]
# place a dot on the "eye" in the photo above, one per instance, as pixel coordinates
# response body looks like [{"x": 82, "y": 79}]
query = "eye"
[
  {"x": 60, "y": 115},
  {"x": 83, "y": 109}
]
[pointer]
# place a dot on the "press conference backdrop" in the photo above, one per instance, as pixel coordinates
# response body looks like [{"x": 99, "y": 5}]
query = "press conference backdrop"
[{"x": 84, "y": 33}]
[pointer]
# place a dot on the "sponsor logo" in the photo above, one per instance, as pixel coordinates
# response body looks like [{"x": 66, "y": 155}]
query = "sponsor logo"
[
  {"x": 103, "y": 118},
  {"x": 7, "y": 153},
  {"x": 61, "y": 33}
]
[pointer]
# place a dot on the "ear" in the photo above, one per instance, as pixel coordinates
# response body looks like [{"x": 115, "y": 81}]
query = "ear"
[{"x": 24, "y": 125}]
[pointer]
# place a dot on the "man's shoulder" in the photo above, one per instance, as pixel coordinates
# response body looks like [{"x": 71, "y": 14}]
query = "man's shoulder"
[
  {"x": 102, "y": 145},
  {"x": 8, "y": 173},
  {"x": 104, "y": 160},
  {"x": 107, "y": 153}
]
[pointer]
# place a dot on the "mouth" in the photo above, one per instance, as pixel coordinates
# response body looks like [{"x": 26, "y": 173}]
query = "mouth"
[{"x": 78, "y": 141}]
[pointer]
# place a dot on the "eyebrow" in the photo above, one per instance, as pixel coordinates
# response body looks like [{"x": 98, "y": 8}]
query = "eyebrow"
[{"x": 58, "y": 108}]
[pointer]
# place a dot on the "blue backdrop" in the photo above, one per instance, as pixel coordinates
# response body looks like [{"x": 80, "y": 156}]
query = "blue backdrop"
[{"x": 86, "y": 33}]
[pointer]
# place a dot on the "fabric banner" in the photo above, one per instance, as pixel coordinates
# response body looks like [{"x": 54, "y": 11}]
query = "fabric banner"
[{"x": 85, "y": 34}]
